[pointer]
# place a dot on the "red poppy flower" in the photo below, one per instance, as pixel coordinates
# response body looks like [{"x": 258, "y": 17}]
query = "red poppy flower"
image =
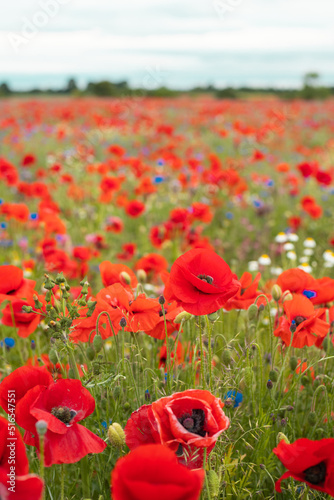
[
  {"x": 13, "y": 285},
  {"x": 302, "y": 322},
  {"x": 15, "y": 481},
  {"x": 247, "y": 294},
  {"x": 187, "y": 421},
  {"x": 295, "y": 280},
  {"x": 320, "y": 291},
  {"x": 152, "y": 472},
  {"x": 135, "y": 208},
  {"x": 201, "y": 282},
  {"x": 311, "y": 462},
  {"x": 61, "y": 404},
  {"x": 114, "y": 225},
  {"x": 128, "y": 251},
  {"x": 28, "y": 159},
  {"x": 171, "y": 311},
  {"x": 152, "y": 263},
  {"x": 112, "y": 273},
  {"x": 26, "y": 323},
  {"x": 141, "y": 313}
]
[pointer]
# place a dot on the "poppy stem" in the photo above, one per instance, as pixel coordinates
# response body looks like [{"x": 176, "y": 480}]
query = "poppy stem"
[
  {"x": 209, "y": 329},
  {"x": 202, "y": 353},
  {"x": 167, "y": 352},
  {"x": 84, "y": 466},
  {"x": 41, "y": 461}
]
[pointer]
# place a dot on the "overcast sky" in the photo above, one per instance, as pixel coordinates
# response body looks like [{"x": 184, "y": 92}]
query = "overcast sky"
[{"x": 181, "y": 42}]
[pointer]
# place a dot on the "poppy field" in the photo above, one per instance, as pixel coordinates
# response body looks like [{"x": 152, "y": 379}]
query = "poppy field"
[{"x": 166, "y": 299}]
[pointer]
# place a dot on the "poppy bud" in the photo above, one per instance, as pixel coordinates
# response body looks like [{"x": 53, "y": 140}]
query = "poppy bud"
[
  {"x": 125, "y": 277},
  {"x": 116, "y": 435},
  {"x": 126, "y": 406},
  {"x": 41, "y": 427},
  {"x": 273, "y": 375},
  {"x": 293, "y": 363},
  {"x": 276, "y": 292},
  {"x": 182, "y": 316},
  {"x": 287, "y": 296},
  {"x": 281, "y": 436},
  {"x": 213, "y": 483},
  {"x": 252, "y": 312},
  {"x": 97, "y": 343},
  {"x": 141, "y": 275},
  {"x": 162, "y": 300},
  {"x": 53, "y": 357},
  {"x": 213, "y": 316},
  {"x": 90, "y": 353},
  {"x": 312, "y": 418}
]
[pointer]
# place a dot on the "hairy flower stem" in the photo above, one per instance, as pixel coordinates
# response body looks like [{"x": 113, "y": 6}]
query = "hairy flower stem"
[
  {"x": 41, "y": 462},
  {"x": 203, "y": 374},
  {"x": 168, "y": 374},
  {"x": 84, "y": 467},
  {"x": 209, "y": 329}
]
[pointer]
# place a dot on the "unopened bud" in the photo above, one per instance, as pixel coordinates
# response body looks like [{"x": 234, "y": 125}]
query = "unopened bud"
[
  {"x": 213, "y": 316},
  {"x": 252, "y": 312},
  {"x": 182, "y": 316},
  {"x": 213, "y": 483},
  {"x": 97, "y": 343},
  {"x": 269, "y": 384},
  {"x": 162, "y": 300},
  {"x": 122, "y": 323},
  {"x": 90, "y": 352},
  {"x": 125, "y": 277},
  {"x": 276, "y": 292},
  {"x": 273, "y": 375},
  {"x": 293, "y": 363},
  {"x": 227, "y": 358},
  {"x": 281, "y": 436},
  {"x": 116, "y": 435},
  {"x": 287, "y": 296},
  {"x": 141, "y": 275}
]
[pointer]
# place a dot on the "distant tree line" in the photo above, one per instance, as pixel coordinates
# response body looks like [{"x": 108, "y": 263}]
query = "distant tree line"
[{"x": 311, "y": 89}]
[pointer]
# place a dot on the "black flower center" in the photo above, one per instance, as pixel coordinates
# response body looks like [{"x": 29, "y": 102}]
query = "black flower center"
[
  {"x": 194, "y": 422},
  {"x": 315, "y": 474},
  {"x": 63, "y": 413},
  {"x": 299, "y": 320},
  {"x": 206, "y": 278}
]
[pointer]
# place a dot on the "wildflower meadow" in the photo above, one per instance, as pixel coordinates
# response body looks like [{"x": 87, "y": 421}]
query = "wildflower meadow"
[{"x": 166, "y": 298}]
